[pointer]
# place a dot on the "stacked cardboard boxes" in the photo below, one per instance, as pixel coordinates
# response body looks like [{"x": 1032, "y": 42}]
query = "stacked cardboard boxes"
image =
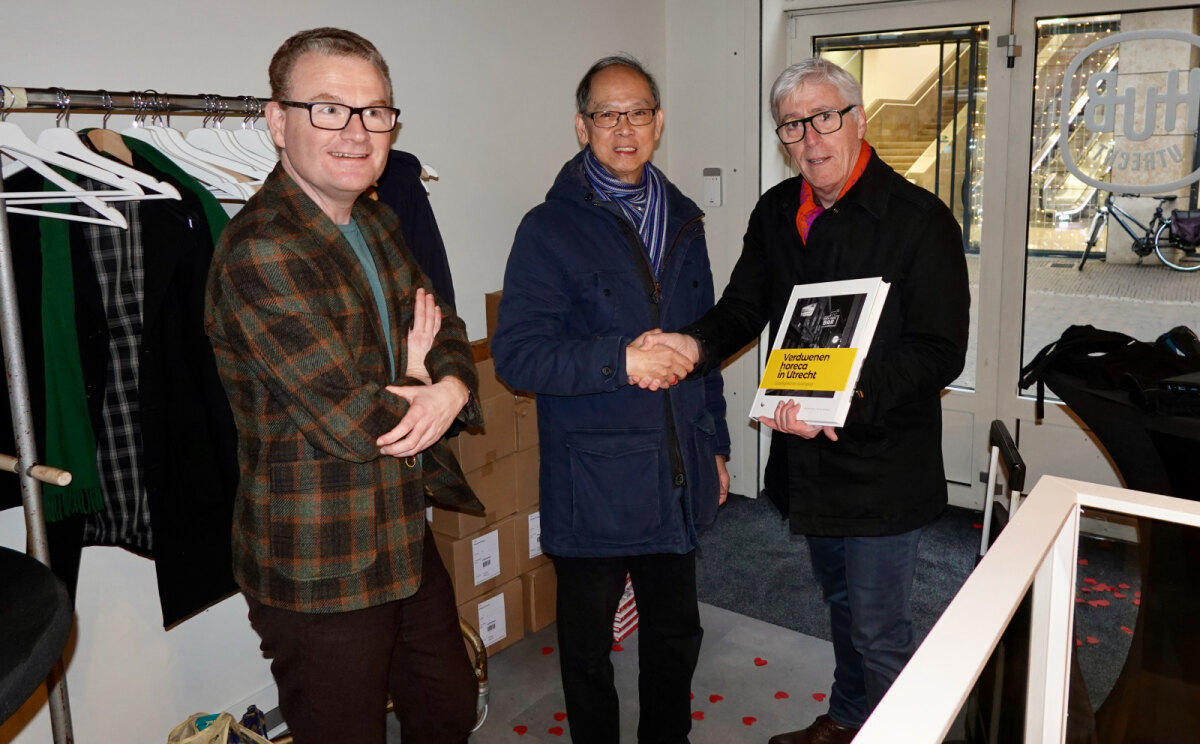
[{"x": 503, "y": 584}]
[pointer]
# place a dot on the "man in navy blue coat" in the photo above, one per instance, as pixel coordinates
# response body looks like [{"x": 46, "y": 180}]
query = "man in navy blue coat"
[{"x": 629, "y": 474}]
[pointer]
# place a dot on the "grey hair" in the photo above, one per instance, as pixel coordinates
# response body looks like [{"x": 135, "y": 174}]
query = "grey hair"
[
  {"x": 815, "y": 71},
  {"x": 584, "y": 92}
]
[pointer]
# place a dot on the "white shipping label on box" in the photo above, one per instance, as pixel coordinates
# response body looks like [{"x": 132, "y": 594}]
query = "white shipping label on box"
[
  {"x": 429, "y": 514},
  {"x": 535, "y": 534},
  {"x": 491, "y": 620},
  {"x": 485, "y": 554}
]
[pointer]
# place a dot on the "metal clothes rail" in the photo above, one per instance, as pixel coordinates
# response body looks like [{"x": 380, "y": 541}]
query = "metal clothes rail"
[
  {"x": 143, "y": 103},
  {"x": 148, "y": 102}
]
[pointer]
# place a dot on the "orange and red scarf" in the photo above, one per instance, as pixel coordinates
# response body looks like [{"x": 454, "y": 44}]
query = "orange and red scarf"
[{"x": 810, "y": 210}]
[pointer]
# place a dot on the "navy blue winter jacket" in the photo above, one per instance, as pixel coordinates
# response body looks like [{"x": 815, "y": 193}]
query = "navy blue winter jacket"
[{"x": 624, "y": 471}]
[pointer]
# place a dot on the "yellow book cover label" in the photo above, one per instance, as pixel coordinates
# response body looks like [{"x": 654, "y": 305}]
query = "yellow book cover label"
[{"x": 808, "y": 369}]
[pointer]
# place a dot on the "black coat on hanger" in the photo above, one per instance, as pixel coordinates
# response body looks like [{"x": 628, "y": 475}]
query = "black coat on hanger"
[{"x": 189, "y": 440}]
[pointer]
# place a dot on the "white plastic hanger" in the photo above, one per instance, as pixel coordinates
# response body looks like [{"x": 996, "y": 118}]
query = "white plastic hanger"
[
  {"x": 256, "y": 140},
  {"x": 63, "y": 140},
  {"x": 18, "y": 146},
  {"x": 221, "y": 142},
  {"x": 213, "y": 139},
  {"x": 224, "y": 183}
]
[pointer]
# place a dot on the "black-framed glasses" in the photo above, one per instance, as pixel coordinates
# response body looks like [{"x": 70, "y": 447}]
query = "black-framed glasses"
[
  {"x": 822, "y": 122},
  {"x": 335, "y": 116},
  {"x": 609, "y": 119}
]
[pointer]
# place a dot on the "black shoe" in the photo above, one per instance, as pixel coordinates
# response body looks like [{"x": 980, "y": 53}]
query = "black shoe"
[{"x": 824, "y": 730}]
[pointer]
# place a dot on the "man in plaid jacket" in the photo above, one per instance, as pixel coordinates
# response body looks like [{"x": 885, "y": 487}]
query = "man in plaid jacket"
[{"x": 309, "y": 306}]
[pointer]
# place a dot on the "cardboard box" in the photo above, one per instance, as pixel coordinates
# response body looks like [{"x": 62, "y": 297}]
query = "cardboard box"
[
  {"x": 540, "y": 586},
  {"x": 527, "y": 429},
  {"x": 482, "y": 561},
  {"x": 496, "y": 486},
  {"x": 529, "y": 543},
  {"x": 528, "y": 463},
  {"x": 499, "y": 616},
  {"x": 490, "y": 386},
  {"x": 479, "y": 446},
  {"x": 491, "y": 310}
]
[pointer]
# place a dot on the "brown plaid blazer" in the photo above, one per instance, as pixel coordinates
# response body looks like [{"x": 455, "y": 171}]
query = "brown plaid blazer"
[{"x": 322, "y": 521}]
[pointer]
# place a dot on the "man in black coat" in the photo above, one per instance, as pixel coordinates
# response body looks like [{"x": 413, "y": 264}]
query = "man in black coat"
[{"x": 863, "y": 492}]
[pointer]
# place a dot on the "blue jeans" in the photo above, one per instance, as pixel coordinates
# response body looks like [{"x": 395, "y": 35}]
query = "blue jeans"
[{"x": 868, "y": 583}]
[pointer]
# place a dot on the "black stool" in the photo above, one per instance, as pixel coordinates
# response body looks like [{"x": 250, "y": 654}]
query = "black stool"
[{"x": 35, "y": 621}]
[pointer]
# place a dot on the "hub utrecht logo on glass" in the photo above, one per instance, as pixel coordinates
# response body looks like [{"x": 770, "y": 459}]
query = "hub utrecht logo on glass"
[{"x": 1128, "y": 139}]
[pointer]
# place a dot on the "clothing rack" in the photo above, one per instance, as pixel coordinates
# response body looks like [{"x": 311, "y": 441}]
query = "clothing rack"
[
  {"x": 147, "y": 102},
  {"x": 30, "y": 472}
]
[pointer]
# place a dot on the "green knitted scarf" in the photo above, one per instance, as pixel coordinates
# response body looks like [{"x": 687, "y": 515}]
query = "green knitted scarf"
[{"x": 70, "y": 441}]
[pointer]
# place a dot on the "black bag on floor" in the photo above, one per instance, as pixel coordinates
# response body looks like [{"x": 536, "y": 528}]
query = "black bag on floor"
[{"x": 1110, "y": 360}]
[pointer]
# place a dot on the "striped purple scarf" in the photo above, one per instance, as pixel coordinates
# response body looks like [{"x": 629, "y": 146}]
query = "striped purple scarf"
[{"x": 643, "y": 204}]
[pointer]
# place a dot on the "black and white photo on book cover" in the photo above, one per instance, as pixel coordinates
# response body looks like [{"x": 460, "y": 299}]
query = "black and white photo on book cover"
[{"x": 819, "y": 348}]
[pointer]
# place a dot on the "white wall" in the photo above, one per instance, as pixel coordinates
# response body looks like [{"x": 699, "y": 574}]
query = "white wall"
[
  {"x": 712, "y": 103},
  {"x": 486, "y": 92}
]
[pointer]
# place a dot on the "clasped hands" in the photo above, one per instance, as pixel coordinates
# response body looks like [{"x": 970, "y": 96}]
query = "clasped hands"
[
  {"x": 432, "y": 407},
  {"x": 657, "y": 360},
  {"x": 662, "y": 359}
]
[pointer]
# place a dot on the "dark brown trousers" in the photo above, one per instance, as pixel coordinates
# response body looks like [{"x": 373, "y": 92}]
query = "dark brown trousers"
[{"x": 334, "y": 671}]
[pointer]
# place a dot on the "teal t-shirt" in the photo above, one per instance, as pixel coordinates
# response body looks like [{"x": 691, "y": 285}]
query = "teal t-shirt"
[{"x": 354, "y": 236}]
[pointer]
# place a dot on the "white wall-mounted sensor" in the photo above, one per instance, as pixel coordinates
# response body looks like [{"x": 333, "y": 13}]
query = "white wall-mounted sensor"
[{"x": 712, "y": 187}]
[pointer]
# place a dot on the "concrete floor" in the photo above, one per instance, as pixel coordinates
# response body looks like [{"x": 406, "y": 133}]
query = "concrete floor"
[{"x": 736, "y": 699}]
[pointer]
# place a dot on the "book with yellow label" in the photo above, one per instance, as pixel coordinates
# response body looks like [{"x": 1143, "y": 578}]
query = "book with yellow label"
[{"x": 819, "y": 349}]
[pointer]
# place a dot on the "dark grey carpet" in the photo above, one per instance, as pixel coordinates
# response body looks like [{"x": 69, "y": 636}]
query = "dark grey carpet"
[{"x": 749, "y": 563}]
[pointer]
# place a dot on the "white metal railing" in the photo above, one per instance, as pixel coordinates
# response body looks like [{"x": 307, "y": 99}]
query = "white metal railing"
[{"x": 1038, "y": 548}]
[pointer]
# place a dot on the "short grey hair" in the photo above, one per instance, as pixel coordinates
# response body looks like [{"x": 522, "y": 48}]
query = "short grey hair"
[
  {"x": 584, "y": 92},
  {"x": 814, "y": 71}
]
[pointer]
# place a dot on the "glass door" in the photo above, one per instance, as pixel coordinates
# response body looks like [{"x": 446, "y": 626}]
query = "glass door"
[{"x": 926, "y": 69}]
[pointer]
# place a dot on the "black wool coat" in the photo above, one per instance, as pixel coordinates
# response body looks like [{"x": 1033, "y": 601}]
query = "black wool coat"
[{"x": 884, "y": 475}]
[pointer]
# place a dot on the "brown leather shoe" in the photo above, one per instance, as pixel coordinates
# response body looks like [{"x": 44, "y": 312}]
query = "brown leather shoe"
[{"x": 824, "y": 730}]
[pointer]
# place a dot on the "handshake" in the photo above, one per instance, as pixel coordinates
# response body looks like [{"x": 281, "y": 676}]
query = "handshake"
[{"x": 657, "y": 360}]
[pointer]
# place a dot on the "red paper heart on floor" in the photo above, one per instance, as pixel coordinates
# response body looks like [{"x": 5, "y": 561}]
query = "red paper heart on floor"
[
  {"x": 1079, "y": 600},
  {"x": 781, "y": 695},
  {"x": 1137, "y": 603},
  {"x": 977, "y": 526},
  {"x": 819, "y": 697},
  {"x": 759, "y": 661},
  {"x": 1084, "y": 589},
  {"x": 547, "y": 650},
  {"x": 1138, "y": 595},
  {"x": 1089, "y": 581},
  {"x": 1123, "y": 586},
  {"x": 1099, "y": 603},
  {"x": 1078, "y": 642},
  {"x": 520, "y": 730},
  {"x": 693, "y": 695},
  {"x": 1083, "y": 561},
  {"x": 715, "y": 698},
  {"x": 1118, "y": 595},
  {"x": 560, "y": 716},
  {"x": 1127, "y": 630},
  {"x": 617, "y": 647},
  {"x": 557, "y": 731},
  {"x": 698, "y": 715},
  {"x": 1093, "y": 640},
  {"x": 748, "y": 720}
]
